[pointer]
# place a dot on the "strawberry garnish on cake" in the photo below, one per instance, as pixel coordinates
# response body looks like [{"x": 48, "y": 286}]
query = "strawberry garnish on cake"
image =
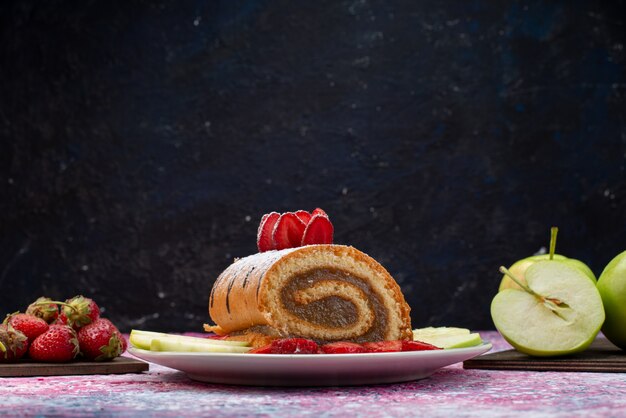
[
  {"x": 319, "y": 230},
  {"x": 264, "y": 237},
  {"x": 288, "y": 231},
  {"x": 294, "y": 229}
]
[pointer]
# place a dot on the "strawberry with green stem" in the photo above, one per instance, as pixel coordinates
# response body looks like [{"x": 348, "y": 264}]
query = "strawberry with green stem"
[
  {"x": 13, "y": 344},
  {"x": 77, "y": 311},
  {"x": 101, "y": 340},
  {"x": 44, "y": 308},
  {"x": 30, "y": 325},
  {"x": 57, "y": 345}
]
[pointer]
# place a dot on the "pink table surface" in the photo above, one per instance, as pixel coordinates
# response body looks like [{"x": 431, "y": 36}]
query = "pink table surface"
[{"x": 451, "y": 391}]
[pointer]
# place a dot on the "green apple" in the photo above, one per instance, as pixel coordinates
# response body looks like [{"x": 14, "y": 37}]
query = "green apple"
[
  {"x": 518, "y": 269},
  {"x": 200, "y": 346},
  {"x": 612, "y": 288},
  {"x": 557, "y": 311},
  {"x": 143, "y": 339},
  {"x": 447, "y": 337},
  {"x": 455, "y": 341},
  {"x": 434, "y": 331}
]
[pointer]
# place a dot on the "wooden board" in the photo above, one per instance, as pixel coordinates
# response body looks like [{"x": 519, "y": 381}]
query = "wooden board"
[
  {"x": 118, "y": 365},
  {"x": 602, "y": 356}
]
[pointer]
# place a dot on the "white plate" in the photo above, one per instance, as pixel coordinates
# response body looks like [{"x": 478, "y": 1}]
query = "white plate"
[{"x": 310, "y": 369}]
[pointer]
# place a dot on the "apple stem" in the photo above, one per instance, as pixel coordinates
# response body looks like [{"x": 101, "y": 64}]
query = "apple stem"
[
  {"x": 506, "y": 271},
  {"x": 553, "y": 232}
]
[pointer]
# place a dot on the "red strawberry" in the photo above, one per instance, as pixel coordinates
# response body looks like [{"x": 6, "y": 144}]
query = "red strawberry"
[
  {"x": 100, "y": 340},
  {"x": 288, "y": 231},
  {"x": 80, "y": 311},
  {"x": 41, "y": 309},
  {"x": 29, "y": 325},
  {"x": 13, "y": 344},
  {"x": 303, "y": 215},
  {"x": 343, "y": 347},
  {"x": 383, "y": 346},
  {"x": 264, "y": 235},
  {"x": 61, "y": 320},
  {"x": 288, "y": 346},
  {"x": 318, "y": 231},
  {"x": 57, "y": 345},
  {"x": 217, "y": 337},
  {"x": 417, "y": 346},
  {"x": 318, "y": 211}
]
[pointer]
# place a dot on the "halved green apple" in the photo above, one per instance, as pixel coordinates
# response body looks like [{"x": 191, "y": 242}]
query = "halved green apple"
[{"x": 557, "y": 311}]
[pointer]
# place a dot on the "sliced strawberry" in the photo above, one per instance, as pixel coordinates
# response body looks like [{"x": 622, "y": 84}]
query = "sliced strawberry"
[
  {"x": 266, "y": 349},
  {"x": 304, "y": 216},
  {"x": 264, "y": 236},
  {"x": 318, "y": 211},
  {"x": 294, "y": 346},
  {"x": 343, "y": 347},
  {"x": 318, "y": 231},
  {"x": 417, "y": 346},
  {"x": 216, "y": 337},
  {"x": 383, "y": 346},
  {"x": 288, "y": 231}
]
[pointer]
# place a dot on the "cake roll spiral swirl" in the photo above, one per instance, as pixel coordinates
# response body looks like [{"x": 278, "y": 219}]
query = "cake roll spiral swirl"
[{"x": 321, "y": 292}]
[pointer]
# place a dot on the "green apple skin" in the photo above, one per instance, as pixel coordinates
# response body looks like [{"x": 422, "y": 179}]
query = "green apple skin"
[
  {"x": 447, "y": 337},
  {"x": 612, "y": 288},
  {"x": 582, "y": 267},
  {"x": 518, "y": 269},
  {"x": 452, "y": 341},
  {"x": 531, "y": 328}
]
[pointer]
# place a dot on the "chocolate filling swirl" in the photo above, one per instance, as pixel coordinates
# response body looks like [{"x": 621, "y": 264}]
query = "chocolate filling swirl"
[{"x": 335, "y": 300}]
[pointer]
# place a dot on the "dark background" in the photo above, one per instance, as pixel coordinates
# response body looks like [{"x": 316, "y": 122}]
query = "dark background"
[{"x": 142, "y": 141}]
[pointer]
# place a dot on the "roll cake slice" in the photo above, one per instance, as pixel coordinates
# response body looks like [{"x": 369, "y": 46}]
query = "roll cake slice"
[{"x": 322, "y": 292}]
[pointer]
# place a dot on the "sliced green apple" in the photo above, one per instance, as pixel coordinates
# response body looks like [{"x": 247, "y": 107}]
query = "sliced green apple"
[
  {"x": 447, "y": 337},
  {"x": 143, "y": 339},
  {"x": 453, "y": 341},
  {"x": 557, "y": 311},
  {"x": 435, "y": 331},
  {"x": 185, "y": 345}
]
